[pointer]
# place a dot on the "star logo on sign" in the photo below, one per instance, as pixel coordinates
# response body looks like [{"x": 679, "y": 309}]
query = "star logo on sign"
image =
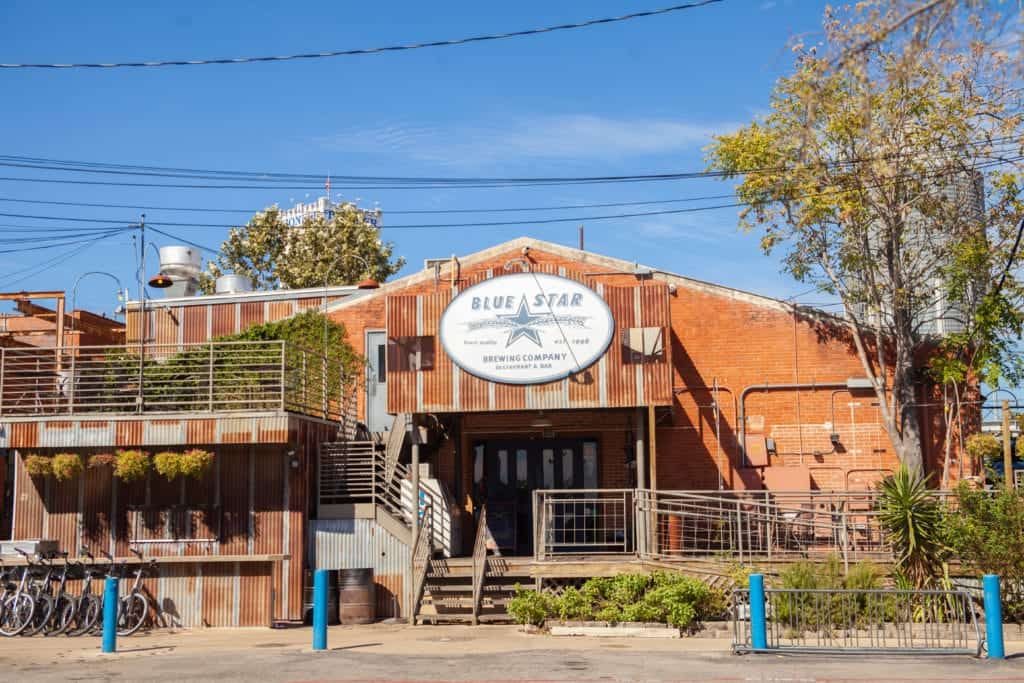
[{"x": 521, "y": 323}]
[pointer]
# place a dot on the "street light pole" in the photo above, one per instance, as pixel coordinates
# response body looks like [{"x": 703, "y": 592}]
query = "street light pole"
[
  {"x": 327, "y": 279},
  {"x": 142, "y": 310},
  {"x": 74, "y": 292}
]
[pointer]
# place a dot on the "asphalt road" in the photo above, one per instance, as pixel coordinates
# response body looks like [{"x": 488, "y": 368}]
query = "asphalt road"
[{"x": 446, "y": 654}]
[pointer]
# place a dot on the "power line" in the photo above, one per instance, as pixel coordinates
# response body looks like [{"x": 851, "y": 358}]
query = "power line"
[
  {"x": 390, "y": 212},
  {"x": 484, "y": 224},
  {"x": 205, "y": 248},
  {"x": 47, "y": 264},
  {"x": 431, "y": 182},
  {"x": 371, "y": 50}
]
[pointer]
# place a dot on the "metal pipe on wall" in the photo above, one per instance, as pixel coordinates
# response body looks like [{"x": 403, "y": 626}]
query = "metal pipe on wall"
[{"x": 741, "y": 415}]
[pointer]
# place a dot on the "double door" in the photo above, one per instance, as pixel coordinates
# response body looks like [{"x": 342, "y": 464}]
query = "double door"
[{"x": 507, "y": 472}]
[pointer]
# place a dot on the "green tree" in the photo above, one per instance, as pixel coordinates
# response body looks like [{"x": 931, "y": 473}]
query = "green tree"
[
  {"x": 271, "y": 254},
  {"x": 869, "y": 172}
]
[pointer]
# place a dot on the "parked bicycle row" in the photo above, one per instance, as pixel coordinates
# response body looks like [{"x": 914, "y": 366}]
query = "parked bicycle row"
[{"x": 36, "y": 597}]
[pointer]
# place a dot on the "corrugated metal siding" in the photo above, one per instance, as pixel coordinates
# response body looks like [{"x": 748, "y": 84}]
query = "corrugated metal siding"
[
  {"x": 147, "y": 431},
  {"x": 358, "y": 543},
  {"x": 608, "y": 383}
]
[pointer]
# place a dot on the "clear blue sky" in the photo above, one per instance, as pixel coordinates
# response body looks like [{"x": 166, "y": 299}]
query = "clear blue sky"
[{"x": 636, "y": 97}]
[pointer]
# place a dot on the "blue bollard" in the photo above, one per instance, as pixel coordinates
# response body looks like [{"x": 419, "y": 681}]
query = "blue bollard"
[
  {"x": 110, "y": 603},
  {"x": 993, "y": 617},
  {"x": 320, "y": 584},
  {"x": 758, "y": 628}
]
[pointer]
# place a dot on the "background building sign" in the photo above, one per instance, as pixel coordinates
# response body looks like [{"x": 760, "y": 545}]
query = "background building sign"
[{"x": 526, "y": 328}]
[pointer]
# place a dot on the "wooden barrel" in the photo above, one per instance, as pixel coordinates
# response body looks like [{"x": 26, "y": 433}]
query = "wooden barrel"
[
  {"x": 332, "y": 598},
  {"x": 357, "y": 596}
]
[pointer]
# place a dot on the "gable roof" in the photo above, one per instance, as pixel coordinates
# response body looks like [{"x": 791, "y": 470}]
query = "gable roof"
[{"x": 581, "y": 256}]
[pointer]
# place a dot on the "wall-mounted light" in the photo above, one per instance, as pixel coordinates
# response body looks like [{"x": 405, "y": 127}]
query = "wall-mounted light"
[{"x": 769, "y": 445}]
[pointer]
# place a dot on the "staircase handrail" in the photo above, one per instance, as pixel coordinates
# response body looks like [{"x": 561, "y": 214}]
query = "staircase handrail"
[
  {"x": 422, "y": 552},
  {"x": 393, "y": 446},
  {"x": 479, "y": 562}
]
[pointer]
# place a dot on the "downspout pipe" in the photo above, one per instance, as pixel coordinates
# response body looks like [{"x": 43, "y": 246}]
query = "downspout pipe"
[{"x": 742, "y": 415}]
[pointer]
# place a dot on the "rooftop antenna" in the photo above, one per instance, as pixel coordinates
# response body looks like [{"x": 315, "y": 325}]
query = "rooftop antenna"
[{"x": 581, "y": 236}]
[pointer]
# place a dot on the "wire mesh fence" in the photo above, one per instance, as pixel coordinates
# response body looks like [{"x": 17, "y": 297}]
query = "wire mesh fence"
[
  {"x": 867, "y": 620},
  {"x": 585, "y": 522}
]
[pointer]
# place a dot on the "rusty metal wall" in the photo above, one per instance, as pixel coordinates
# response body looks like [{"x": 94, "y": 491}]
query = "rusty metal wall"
[
  {"x": 611, "y": 382},
  {"x": 359, "y": 543}
]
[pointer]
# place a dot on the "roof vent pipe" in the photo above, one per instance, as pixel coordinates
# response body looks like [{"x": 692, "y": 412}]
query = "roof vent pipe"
[{"x": 181, "y": 265}]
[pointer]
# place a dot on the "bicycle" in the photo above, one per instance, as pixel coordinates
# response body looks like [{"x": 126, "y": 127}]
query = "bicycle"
[
  {"x": 18, "y": 605},
  {"x": 40, "y": 574},
  {"x": 88, "y": 605},
  {"x": 133, "y": 607},
  {"x": 64, "y": 603}
]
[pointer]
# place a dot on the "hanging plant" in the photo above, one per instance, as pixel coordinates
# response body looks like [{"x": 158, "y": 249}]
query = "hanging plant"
[
  {"x": 101, "y": 460},
  {"x": 66, "y": 466},
  {"x": 195, "y": 462},
  {"x": 168, "y": 464},
  {"x": 38, "y": 465},
  {"x": 131, "y": 465}
]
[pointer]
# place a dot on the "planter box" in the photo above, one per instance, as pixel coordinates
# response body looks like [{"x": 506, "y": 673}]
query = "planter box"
[{"x": 603, "y": 629}]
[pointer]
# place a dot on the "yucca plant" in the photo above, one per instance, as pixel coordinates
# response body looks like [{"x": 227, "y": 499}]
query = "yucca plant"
[{"x": 912, "y": 521}]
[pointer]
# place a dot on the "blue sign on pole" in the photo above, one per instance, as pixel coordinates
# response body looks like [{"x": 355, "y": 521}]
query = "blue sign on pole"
[{"x": 110, "y": 604}]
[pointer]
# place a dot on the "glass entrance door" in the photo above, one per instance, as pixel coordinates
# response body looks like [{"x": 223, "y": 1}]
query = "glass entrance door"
[{"x": 506, "y": 473}]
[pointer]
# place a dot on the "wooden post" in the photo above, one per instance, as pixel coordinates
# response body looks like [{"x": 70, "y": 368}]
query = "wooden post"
[{"x": 1007, "y": 450}]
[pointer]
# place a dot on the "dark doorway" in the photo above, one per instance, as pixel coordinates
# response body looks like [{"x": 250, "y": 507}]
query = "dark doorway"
[{"x": 506, "y": 472}]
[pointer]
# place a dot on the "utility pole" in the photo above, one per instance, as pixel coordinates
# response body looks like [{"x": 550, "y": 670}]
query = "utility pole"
[
  {"x": 142, "y": 310},
  {"x": 1007, "y": 451}
]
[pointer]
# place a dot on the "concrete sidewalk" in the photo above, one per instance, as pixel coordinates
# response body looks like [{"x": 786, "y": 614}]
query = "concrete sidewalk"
[{"x": 392, "y": 652}]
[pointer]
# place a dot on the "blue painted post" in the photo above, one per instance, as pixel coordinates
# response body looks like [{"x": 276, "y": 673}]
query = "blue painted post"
[
  {"x": 320, "y": 584},
  {"x": 110, "y": 603},
  {"x": 758, "y": 627},
  {"x": 993, "y": 617}
]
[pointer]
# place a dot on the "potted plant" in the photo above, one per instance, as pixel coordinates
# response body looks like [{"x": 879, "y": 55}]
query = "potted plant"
[
  {"x": 66, "y": 466},
  {"x": 195, "y": 462},
  {"x": 38, "y": 465},
  {"x": 168, "y": 464},
  {"x": 131, "y": 465},
  {"x": 101, "y": 460}
]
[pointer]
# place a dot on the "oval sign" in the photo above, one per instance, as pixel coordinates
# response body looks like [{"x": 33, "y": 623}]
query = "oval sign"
[{"x": 526, "y": 328}]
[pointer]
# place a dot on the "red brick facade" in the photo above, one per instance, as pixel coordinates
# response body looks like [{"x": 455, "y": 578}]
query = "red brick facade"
[{"x": 719, "y": 337}]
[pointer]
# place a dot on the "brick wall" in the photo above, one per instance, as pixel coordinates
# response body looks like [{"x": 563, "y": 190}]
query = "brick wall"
[{"x": 718, "y": 336}]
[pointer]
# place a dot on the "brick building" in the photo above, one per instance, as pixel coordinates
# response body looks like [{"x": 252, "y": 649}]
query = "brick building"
[{"x": 576, "y": 412}]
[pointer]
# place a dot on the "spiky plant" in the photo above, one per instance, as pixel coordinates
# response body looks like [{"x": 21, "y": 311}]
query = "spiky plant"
[{"x": 912, "y": 521}]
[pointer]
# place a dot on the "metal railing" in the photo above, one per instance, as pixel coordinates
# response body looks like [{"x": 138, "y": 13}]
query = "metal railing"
[
  {"x": 479, "y": 561},
  {"x": 585, "y": 522},
  {"x": 422, "y": 553},
  {"x": 733, "y": 525},
  {"x": 859, "y": 621},
  {"x": 209, "y": 377}
]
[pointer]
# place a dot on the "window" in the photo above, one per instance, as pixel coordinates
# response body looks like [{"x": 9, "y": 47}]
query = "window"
[
  {"x": 408, "y": 354},
  {"x": 503, "y": 466},
  {"x": 643, "y": 345},
  {"x": 548, "y": 458},
  {"x": 381, "y": 364},
  {"x": 568, "y": 462},
  {"x": 522, "y": 468},
  {"x": 478, "y": 464},
  {"x": 590, "y": 465}
]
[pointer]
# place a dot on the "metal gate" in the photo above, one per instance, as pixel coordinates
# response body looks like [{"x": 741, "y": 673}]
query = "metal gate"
[{"x": 857, "y": 621}]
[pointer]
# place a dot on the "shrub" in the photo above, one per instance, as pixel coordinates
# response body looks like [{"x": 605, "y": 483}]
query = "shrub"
[
  {"x": 195, "y": 462},
  {"x": 131, "y": 465},
  {"x": 529, "y": 607},
  {"x": 167, "y": 464},
  {"x": 912, "y": 520},
  {"x": 573, "y": 605},
  {"x": 987, "y": 533},
  {"x": 66, "y": 466},
  {"x": 101, "y": 460},
  {"x": 984, "y": 448},
  {"x": 642, "y": 611},
  {"x": 38, "y": 465},
  {"x": 610, "y": 613}
]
